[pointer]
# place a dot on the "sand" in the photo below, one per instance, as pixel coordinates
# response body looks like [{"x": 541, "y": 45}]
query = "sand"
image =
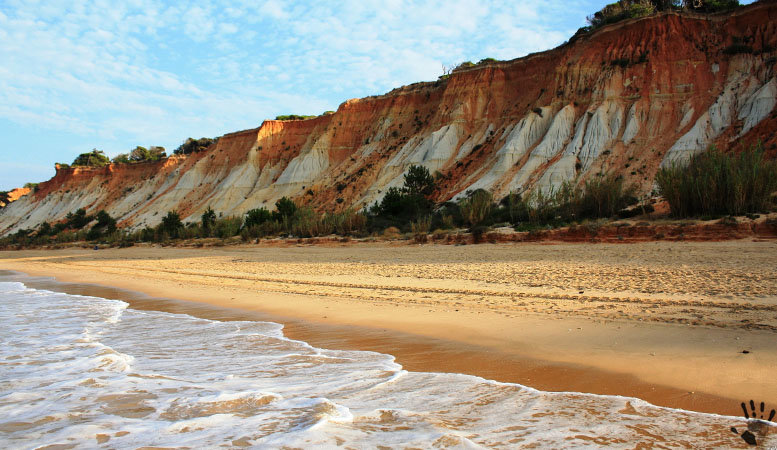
[{"x": 664, "y": 321}]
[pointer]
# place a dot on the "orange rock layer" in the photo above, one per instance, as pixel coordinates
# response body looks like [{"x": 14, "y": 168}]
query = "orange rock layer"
[{"x": 13, "y": 195}]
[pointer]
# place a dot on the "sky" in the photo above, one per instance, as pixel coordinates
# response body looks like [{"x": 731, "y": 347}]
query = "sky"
[{"x": 82, "y": 74}]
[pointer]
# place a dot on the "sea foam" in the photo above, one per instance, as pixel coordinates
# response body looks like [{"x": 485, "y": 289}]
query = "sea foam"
[{"x": 89, "y": 372}]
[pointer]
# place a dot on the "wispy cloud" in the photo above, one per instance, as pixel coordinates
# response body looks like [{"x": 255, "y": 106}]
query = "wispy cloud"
[{"x": 117, "y": 74}]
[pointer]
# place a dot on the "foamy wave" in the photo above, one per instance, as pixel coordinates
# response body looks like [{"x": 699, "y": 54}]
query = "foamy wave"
[{"x": 83, "y": 371}]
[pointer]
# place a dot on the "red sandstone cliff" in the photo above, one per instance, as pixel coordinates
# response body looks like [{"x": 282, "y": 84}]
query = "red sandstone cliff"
[{"x": 627, "y": 98}]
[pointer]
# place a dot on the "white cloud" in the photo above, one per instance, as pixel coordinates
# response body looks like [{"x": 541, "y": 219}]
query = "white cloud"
[
  {"x": 116, "y": 74},
  {"x": 228, "y": 28},
  {"x": 274, "y": 9},
  {"x": 198, "y": 23}
]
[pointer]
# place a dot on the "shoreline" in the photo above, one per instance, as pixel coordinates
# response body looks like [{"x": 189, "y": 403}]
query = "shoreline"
[
  {"x": 551, "y": 352},
  {"x": 416, "y": 353}
]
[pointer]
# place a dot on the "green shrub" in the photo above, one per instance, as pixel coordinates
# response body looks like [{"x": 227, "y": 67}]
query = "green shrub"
[
  {"x": 603, "y": 196},
  {"x": 227, "y": 227},
  {"x": 600, "y": 197},
  {"x": 347, "y": 222},
  {"x": 400, "y": 206},
  {"x": 171, "y": 225},
  {"x": 147, "y": 234},
  {"x": 142, "y": 154},
  {"x": 487, "y": 60},
  {"x": 621, "y": 10},
  {"x": 77, "y": 220},
  {"x": 422, "y": 225},
  {"x": 191, "y": 145},
  {"x": 257, "y": 216},
  {"x": 157, "y": 152},
  {"x": 447, "y": 222},
  {"x": 629, "y": 9},
  {"x": 69, "y": 236},
  {"x": 105, "y": 222},
  {"x": 192, "y": 231},
  {"x": 284, "y": 209},
  {"x": 95, "y": 158},
  {"x": 540, "y": 207},
  {"x": 121, "y": 158},
  {"x": 391, "y": 204},
  {"x": 139, "y": 154},
  {"x": 715, "y": 183},
  {"x": 207, "y": 221},
  {"x": 293, "y": 117},
  {"x": 476, "y": 207},
  {"x": 94, "y": 234},
  {"x": 418, "y": 181},
  {"x": 544, "y": 207},
  {"x": 268, "y": 228},
  {"x": 712, "y": 6},
  {"x": 45, "y": 229},
  {"x": 307, "y": 223},
  {"x": 464, "y": 65}
]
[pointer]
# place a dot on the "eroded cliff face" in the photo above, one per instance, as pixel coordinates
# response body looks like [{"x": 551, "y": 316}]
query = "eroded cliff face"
[
  {"x": 628, "y": 99},
  {"x": 11, "y": 196}
]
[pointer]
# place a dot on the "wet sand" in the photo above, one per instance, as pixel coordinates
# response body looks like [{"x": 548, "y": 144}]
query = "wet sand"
[{"x": 665, "y": 322}]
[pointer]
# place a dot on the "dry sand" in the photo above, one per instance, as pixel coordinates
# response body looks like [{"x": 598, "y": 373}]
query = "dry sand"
[{"x": 663, "y": 321}]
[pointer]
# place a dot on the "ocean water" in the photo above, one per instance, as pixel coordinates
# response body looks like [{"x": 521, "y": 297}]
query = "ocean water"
[{"x": 89, "y": 372}]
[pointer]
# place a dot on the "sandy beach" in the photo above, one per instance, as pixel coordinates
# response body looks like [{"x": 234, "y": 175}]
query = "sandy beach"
[{"x": 668, "y": 322}]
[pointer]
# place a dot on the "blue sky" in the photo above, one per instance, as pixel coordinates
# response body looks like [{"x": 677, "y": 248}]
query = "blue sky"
[{"x": 83, "y": 74}]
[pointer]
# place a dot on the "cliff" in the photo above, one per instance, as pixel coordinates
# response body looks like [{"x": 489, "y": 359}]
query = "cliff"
[
  {"x": 625, "y": 99},
  {"x": 11, "y": 196}
]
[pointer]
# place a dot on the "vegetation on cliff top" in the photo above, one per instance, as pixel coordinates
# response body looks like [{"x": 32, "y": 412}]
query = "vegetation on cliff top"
[
  {"x": 95, "y": 158},
  {"x": 447, "y": 71},
  {"x": 631, "y": 9},
  {"x": 141, "y": 154},
  {"x": 285, "y": 117},
  {"x": 192, "y": 145},
  {"x": 623, "y": 10}
]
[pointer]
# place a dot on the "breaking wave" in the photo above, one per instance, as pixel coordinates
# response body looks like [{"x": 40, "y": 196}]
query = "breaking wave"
[{"x": 86, "y": 371}]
